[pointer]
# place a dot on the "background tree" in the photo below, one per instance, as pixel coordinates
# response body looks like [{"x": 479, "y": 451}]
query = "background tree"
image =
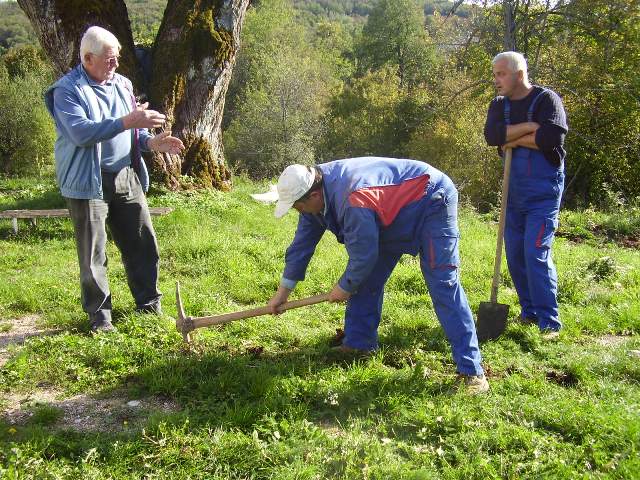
[
  {"x": 191, "y": 64},
  {"x": 395, "y": 35},
  {"x": 280, "y": 91}
]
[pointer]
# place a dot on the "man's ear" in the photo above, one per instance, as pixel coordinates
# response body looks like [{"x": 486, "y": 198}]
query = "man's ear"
[{"x": 316, "y": 193}]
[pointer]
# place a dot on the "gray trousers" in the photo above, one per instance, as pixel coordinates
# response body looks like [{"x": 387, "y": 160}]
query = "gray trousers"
[{"x": 124, "y": 208}]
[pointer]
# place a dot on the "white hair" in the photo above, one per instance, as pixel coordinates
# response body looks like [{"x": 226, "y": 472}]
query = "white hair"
[
  {"x": 95, "y": 40},
  {"x": 515, "y": 62}
]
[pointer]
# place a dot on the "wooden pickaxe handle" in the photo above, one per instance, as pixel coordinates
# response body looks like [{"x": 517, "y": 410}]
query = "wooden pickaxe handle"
[{"x": 186, "y": 324}]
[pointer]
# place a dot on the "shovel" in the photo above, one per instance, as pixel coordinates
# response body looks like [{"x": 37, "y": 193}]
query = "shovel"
[
  {"x": 492, "y": 316},
  {"x": 185, "y": 325}
]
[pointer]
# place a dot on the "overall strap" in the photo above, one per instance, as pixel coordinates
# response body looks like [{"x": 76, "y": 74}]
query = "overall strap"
[
  {"x": 533, "y": 105},
  {"x": 507, "y": 111}
]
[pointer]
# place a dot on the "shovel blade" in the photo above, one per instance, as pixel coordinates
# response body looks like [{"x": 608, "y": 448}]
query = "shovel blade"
[{"x": 492, "y": 320}]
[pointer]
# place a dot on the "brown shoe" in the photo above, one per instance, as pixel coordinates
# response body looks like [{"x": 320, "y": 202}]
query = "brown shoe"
[{"x": 473, "y": 384}]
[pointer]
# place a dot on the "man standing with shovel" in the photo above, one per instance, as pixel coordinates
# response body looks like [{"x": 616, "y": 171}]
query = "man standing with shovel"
[
  {"x": 381, "y": 208},
  {"x": 532, "y": 122}
]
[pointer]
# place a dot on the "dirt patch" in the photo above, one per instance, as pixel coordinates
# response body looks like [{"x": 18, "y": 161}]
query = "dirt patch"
[
  {"x": 84, "y": 413},
  {"x": 564, "y": 379},
  {"x": 611, "y": 340},
  {"x": 630, "y": 242},
  {"x": 20, "y": 329},
  {"x": 599, "y": 234}
]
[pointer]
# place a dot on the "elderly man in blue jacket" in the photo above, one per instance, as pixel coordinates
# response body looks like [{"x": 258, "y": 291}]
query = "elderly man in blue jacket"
[
  {"x": 380, "y": 209},
  {"x": 101, "y": 131}
]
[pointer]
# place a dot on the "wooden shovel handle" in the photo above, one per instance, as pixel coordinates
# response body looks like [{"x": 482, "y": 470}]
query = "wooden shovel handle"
[
  {"x": 256, "y": 312},
  {"x": 503, "y": 215}
]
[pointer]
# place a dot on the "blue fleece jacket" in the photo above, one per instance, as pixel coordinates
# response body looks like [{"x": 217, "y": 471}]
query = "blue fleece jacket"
[{"x": 81, "y": 126}]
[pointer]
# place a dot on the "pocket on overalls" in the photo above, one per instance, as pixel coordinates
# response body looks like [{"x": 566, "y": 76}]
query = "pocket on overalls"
[
  {"x": 442, "y": 249},
  {"x": 548, "y": 227}
]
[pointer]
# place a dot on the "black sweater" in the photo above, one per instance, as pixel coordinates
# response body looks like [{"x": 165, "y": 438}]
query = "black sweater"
[{"x": 548, "y": 112}]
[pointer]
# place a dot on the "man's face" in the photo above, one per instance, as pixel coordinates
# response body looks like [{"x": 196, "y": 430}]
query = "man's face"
[
  {"x": 102, "y": 67},
  {"x": 313, "y": 204},
  {"x": 506, "y": 80}
]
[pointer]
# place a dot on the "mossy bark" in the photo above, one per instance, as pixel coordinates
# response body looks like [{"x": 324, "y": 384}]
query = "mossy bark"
[
  {"x": 192, "y": 60},
  {"x": 193, "y": 57},
  {"x": 60, "y": 24}
]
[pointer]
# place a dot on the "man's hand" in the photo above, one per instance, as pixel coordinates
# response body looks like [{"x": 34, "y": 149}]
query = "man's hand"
[
  {"x": 143, "y": 118},
  {"x": 164, "y": 142},
  {"x": 278, "y": 299},
  {"x": 338, "y": 295}
]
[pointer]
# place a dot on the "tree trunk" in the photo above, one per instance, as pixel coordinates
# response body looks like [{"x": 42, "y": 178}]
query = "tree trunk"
[
  {"x": 193, "y": 57},
  {"x": 192, "y": 61},
  {"x": 509, "y": 12}
]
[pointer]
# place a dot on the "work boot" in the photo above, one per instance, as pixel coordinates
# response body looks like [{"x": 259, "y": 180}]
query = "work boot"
[
  {"x": 473, "y": 384},
  {"x": 101, "y": 322}
]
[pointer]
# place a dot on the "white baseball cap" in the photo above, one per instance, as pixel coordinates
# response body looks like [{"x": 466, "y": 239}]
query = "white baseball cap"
[{"x": 294, "y": 182}]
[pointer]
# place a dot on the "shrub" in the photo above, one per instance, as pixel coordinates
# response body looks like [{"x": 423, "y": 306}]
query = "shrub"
[{"x": 27, "y": 133}]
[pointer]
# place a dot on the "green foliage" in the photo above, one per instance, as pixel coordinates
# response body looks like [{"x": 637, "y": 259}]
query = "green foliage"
[
  {"x": 280, "y": 89},
  {"x": 365, "y": 117},
  {"x": 27, "y": 133},
  {"x": 145, "y": 17},
  {"x": 394, "y": 35},
  {"x": 15, "y": 29},
  {"x": 454, "y": 143},
  {"x": 602, "y": 268},
  {"x": 601, "y": 97}
]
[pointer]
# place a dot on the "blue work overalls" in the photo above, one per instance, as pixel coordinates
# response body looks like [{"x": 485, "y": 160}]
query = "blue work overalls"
[
  {"x": 439, "y": 262},
  {"x": 535, "y": 189}
]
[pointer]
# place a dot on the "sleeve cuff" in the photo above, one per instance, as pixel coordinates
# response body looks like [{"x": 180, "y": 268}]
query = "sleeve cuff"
[
  {"x": 287, "y": 283},
  {"x": 344, "y": 285},
  {"x": 144, "y": 143}
]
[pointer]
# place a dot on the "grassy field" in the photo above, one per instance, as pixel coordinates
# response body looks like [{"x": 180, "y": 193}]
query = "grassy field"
[{"x": 261, "y": 398}]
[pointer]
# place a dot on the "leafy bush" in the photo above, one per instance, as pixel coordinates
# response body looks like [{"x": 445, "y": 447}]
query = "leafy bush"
[
  {"x": 455, "y": 144},
  {"x": 27, "y": 133}
]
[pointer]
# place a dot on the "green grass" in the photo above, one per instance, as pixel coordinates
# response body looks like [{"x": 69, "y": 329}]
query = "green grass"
[{"x": 569, "y": 409}]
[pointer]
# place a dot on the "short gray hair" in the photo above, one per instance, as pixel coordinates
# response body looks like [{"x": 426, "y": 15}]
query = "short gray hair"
[
  {"x": 515, "y": 62},
  {"x": 95, "y": 40}
]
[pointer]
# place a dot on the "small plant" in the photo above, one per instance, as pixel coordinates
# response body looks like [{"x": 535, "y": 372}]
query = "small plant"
[
  {"x": 602, "y": 268},
  {"x": 5, "y": 327},
  {"x": 44, "y": 414}
]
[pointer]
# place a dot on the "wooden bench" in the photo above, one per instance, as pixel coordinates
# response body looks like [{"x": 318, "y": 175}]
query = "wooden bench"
[{"x": 33, "y": 215}]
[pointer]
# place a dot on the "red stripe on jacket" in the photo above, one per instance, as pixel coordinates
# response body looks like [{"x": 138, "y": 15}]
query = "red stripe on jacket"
[
  {"x": 388, "y": 200},
  {"x": 539, "y": 237}
]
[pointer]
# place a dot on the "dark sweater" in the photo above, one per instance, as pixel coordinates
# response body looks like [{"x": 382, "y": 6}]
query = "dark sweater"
[{"x": 548, "y": 112}]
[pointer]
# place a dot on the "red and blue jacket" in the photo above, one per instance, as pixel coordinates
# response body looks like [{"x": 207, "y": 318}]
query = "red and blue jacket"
[{"x": 372, "y": 204}]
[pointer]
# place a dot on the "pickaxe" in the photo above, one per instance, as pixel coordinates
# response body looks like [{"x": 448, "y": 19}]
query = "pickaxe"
[{"x": 185, "y": 325}]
